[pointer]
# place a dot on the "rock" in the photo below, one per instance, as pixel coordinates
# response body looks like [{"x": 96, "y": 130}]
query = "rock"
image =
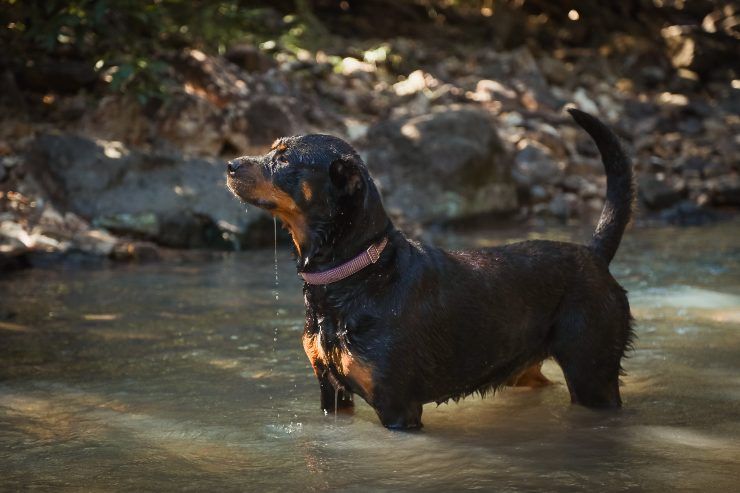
[
  {"x": 17, "y": 236},
  {"x": 584, "y": 102},
  {"x": 698, "y": 167},
  {"x": 249, "y": 58},
  {"x": 262, "y": 130},
  {"x": 13, "y": 236},
  {"x": 7, "y": 163},
  {"x": 167, "y": 198},
  {"x": 135, "y": 250},
  {"x": 573, "y": 183},
  {"x": 491, "y": 90},
  {"x": 351, "y": 66},
  {"x": 690, "y": 126},
  {"x": 356, "y": 130},
  {"x": 520, "y": 71},
  {"x": 193, "y": 124},
  {"x": 145, "y": 224},
  {"x": 556, "y": 71},
  {"x": 658, "y": 194},
  {"x": 724, "y": 190},
  {"x": 213, "y": 108},
  {"x": 118, "y": 117},
  {"x": 533, "y": 165},
  {"x": 96, "y": 242},
  {"x": 538, "y": 194},
  {"x": 692, "y": 167},
  {"x": 559, "y": 207},
  {"x": 199, "y": 230},
  {"x": 709, "y": 54},
  {"x": 444, "y": 165},
  {"x": 687, "y": 213},
  {"x": 59, "y": 75},
  {"x": 417, "y": 81}
]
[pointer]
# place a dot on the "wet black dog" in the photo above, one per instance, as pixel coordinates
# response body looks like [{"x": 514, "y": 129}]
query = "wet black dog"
[{"x": 402, "y": 324}]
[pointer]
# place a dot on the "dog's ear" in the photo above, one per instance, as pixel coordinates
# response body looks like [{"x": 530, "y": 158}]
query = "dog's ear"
[{"x": 346, "y": 175}]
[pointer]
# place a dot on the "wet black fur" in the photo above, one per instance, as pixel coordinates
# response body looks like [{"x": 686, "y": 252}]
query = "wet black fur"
[{"x": 437, "y": 325}]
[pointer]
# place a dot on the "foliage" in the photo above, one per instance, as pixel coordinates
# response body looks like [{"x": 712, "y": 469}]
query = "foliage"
[{"x": 125, "y": 40}]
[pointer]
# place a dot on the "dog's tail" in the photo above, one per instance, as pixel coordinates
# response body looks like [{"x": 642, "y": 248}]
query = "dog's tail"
[{"x": 620, "y": 188}]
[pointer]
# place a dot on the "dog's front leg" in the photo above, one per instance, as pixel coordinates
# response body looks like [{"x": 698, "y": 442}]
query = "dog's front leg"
[
  {"x": 398, "y": 414},
  {"x": 334, "y": 396}
]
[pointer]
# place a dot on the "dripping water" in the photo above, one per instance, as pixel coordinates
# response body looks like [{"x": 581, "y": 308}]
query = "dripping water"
[
  {"x": 336, "y": 403},
  {"x": 276, "y": 294}
]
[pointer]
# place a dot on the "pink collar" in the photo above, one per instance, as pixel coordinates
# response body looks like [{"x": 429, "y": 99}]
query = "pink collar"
[{"x": 369, "y": 256}]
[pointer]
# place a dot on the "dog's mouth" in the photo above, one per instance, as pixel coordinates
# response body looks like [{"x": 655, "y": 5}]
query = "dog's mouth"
[
  {"x": 247, "y": 190},
  {"x": 254, "y": 189}
]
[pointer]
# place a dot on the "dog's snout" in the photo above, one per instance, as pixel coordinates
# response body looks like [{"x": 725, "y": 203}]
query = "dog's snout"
[{"x": 234, "y": 165}]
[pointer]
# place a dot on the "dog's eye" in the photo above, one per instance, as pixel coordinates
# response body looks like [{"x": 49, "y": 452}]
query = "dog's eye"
[{"x": 282, "y": 159}]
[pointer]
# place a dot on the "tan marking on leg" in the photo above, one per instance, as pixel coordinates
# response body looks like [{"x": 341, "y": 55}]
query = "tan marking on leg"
[
  {"x": 351, "y": 367},
  {"x": 359, "y": 372},
  {"x": 531, "y": 377},
  {"x": 307, "y": 192},
  {"x": 314, "y": 351}
]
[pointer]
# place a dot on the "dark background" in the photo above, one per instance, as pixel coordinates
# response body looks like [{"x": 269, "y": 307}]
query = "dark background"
[{"x": 118, "y": 115}]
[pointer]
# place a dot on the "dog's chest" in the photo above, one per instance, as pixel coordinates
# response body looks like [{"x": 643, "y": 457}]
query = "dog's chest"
[{"x": 331, "y": 354}]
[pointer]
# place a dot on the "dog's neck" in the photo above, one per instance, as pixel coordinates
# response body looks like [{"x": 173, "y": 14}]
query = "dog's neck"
[{"x": 349, "y": 234}]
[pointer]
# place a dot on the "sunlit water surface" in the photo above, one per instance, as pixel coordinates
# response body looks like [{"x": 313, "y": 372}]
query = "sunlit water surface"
[{"x": 167, "y": 377}]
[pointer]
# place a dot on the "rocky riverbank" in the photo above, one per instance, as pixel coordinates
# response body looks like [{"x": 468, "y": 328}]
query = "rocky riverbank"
[{"x": 450, "y": 131}]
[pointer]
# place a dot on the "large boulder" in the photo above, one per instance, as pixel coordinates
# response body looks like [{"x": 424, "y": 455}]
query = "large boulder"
[
  {"x": 172, "y": 200},
  {"x": 659, "y": 194},
  {"x": 445, "y": 165}
]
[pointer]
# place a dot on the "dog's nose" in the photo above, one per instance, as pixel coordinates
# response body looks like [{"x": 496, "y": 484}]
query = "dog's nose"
[{"x": 234, "y": 165}]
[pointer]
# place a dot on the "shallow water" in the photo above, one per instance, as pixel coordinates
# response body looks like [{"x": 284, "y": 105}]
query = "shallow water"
[{"x": 166, "y": 377}]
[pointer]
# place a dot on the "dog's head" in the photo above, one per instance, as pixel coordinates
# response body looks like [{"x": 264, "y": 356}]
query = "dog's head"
[{"x": 318, "y": 186}]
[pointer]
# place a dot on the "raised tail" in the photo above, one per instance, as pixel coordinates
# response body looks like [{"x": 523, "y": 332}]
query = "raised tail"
[{"x": 620, "y": 188}]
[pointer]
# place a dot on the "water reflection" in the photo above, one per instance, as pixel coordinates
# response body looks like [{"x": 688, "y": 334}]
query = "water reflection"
[{"x": 163, "y": 377}]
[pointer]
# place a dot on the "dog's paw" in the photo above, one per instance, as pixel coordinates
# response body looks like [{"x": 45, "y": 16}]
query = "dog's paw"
[{"x": 401, "y": 417}]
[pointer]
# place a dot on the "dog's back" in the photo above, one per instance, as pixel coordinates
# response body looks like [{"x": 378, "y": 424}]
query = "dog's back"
[{"x": 485, "y": 315}]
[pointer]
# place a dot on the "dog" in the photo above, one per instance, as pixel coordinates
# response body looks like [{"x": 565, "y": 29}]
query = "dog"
[{"x": 401, "y": 324}]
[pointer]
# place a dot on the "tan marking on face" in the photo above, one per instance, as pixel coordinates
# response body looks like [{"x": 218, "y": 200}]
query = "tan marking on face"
[
  {"x": 286, "y": 210},
  {"x": 251, "y": 185},
  {"x": 278, "y": 146},
  {"x": 307, "y": 192}
]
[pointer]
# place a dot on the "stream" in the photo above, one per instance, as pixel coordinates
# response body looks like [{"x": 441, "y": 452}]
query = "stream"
[{"x": 191, "y": 375}]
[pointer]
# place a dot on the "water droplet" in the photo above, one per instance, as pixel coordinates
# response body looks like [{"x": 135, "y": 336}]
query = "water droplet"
[{"x": 277, "y": 309}]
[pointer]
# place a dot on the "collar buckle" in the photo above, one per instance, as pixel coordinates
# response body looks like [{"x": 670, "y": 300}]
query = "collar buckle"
[{"x": 373, "y": 253}]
